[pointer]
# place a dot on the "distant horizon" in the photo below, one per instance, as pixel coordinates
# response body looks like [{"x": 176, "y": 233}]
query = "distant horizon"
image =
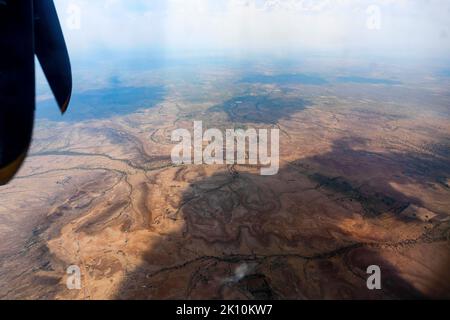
[{"x": 380, "y": 28}]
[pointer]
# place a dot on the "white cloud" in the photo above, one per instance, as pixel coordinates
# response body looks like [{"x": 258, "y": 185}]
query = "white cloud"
[{"x": 270, "y": 25}]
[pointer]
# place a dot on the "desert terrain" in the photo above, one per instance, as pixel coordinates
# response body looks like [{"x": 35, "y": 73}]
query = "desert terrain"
[{"x": 364, "y": 180}]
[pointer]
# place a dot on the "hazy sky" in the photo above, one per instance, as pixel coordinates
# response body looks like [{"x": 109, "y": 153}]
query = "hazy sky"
[{"x": 419, "y": 27}]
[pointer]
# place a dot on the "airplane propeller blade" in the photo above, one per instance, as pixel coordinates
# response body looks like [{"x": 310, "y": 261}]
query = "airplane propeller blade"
[
  {"x": 27, "y": 28},
  {"x": 52, "y": 52},
  {"x": 17, "y": 85}
]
